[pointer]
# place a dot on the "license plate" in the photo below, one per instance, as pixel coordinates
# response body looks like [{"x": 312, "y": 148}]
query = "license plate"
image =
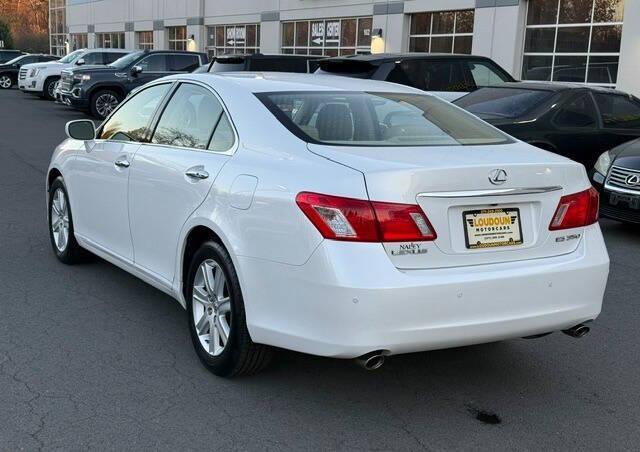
[
  {"x": 489, "y": 228},
  {"x": 633, "y": 202}
]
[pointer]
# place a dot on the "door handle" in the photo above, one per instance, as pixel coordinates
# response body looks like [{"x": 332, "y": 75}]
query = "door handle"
[
  {"x": 197, "y": 173},
  {"x": 122, "y": 163}
]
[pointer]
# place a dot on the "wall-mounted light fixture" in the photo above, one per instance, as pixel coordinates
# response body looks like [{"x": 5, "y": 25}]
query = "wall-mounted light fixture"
[
  {"x": 191, "y": 44},
  {"x": 377, "y": 42}
]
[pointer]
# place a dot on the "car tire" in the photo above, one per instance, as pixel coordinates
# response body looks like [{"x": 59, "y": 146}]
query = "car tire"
[
  {"x": 6, "y": 82},
  {"x": 61, "y": 233},
  {"x": 49, "y": 86},
  {"x": 103, "y": 102},
  {"x": 214, "y": 301}
]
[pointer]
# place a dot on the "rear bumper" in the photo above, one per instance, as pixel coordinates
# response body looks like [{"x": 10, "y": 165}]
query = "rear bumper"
[{"x": 348, "y": 299}]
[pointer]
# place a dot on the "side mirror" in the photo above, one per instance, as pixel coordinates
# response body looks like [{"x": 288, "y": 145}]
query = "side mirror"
[
  {"x": 135, "y": 70},
  {"x": 82, "y": 129},
  {"x": 80, "y": 62}
]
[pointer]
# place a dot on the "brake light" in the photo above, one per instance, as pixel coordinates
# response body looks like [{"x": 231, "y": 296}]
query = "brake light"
[
  {"x": 360, "y": 220},
  {"x": 576, "y": 210}
]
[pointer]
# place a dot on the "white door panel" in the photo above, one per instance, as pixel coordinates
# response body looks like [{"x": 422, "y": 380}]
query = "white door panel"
[
  {"x": 100, "y": 179},
  {"x": 167, "y": 185}
]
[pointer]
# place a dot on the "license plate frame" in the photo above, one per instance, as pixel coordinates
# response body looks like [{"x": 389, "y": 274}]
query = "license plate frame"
[{"x": 514, "y": 236}]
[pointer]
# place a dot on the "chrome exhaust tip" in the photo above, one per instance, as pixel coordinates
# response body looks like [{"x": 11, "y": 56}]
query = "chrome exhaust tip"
[
  {"x": 371, "y": 361},
  {"x": 578, "y": 331}
]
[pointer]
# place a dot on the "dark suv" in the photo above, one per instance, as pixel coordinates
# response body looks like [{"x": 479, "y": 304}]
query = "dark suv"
[
  {"x": 450, "y": 76},
  {"x": 8, "y": 55},
  {"x": 9, "y": 70},
  {"x": 259, "y": 62},
  {"x": 99, "y": 89}
]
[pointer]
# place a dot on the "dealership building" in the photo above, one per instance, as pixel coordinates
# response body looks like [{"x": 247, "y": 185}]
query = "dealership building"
[{"x": 587, "y": 41}]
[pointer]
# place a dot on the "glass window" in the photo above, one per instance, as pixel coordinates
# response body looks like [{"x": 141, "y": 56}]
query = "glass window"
[
  {"x": 110, "y": 40},
  {"x": 78, "y": 41},
  {"x": 189, "y": 118},
  {"x": 93, "y": 58},
  {"x": 331, "y": 37},
  {"x": 154, "y": 63},
  {"x": 502, "y": 102},
  {"x": 442, "y": 32},
  {"x": 378, "y": 119},
  {"x": 144, "y": 40},
  {"x": 578, "y": 112},
  {"x": 111, "y": 57},
  {"x": 223, "y": 138},
  {"x": 583, "y": 29},
  {"x": 132, "y": 120},
  {"x": 485, "y": 75},
  {"x": 183, "y": 63},
  {"x": 177, "y": 38},
  {"x": 430, "y": 75},
  {"x": 233, "y": 39},
  {"x": 618, "y": 111}
]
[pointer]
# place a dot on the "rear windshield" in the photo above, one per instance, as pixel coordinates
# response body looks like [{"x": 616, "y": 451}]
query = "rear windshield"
[
  {"x": 378, "y": 119},
  {"x": 502, "y": 102}
]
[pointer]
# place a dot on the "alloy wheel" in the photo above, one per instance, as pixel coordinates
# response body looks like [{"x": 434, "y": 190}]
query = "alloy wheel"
[
  {"x": 60, "y": 220},
  {"x": 51, "y": 90},
  {"x": 105, "y": 104},
  {"x": 5, "y": 82},
  {"x": 211, "y": 306}
]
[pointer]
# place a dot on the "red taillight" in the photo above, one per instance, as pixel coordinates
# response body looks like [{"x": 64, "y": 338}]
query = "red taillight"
[
  {"x": 359, "y": 220},
  {"x": 577, "y": 210}
]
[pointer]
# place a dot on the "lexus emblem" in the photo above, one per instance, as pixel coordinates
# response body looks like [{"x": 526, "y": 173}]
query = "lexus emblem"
[
  {"x": 499, "y": 176},
  {"x": 633, "y": 180}
]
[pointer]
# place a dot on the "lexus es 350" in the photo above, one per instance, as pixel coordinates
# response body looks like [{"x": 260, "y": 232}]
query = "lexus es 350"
[{"x": 332, "y": 216}]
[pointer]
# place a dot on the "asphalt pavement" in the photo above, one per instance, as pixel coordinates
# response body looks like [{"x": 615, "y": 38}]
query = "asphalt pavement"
[{"x": 93, "y": 358}]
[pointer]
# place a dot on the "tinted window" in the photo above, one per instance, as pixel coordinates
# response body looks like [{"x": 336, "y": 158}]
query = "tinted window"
[
  {"x": 28, "y": 60},
  {"x": 93, "y": 58},
  {"x": 577, "y": 112},
  {"x": 183, "y": 63},
  {"x": 502, "y": 102},
  {"x": 278, "y": 64},
  {"x": 189, "y": 118},
  {"x": 378, "y": 119},
  {"x": 131, "y": 121},
  {"x": 619, "y": 111},
  {"x": 110, "y": 57},
  {"x": 430, "y": 75},
  {"x": 154, "y": 63},
  {"x": 484, "y": 74}
]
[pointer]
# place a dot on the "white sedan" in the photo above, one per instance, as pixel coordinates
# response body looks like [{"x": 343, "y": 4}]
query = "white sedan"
[{"x": 327, "y": 215}]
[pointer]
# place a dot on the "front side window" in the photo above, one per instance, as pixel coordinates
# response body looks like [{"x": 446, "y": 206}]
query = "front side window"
[
  {"x": 154, "y": 63},
  {"x": 131, "y": 121},
  {"x": 93, "y": 58},
  {"x": 618, "y": 111},
  {"x": 378, "y": 119},
  {"x": 573, "y": 41},
  {"x": 189, "y": 119},
  {"x": 502, "y": 102},
  {"x": 484, "y": 74}
]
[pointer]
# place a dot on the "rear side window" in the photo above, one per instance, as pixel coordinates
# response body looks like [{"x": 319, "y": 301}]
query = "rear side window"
[
  {"x": 110, "y": 57},
  {"x": 502, "y": 102},
  {"x": 131, "y": 121},
  {"x": 93, "y": 58},
  {"x": 378, "y": 119},
  {"x": 484, "y": 74},
  {"x": 430, "y": 75},
  {"x": 190, "y": 119},
  {"x": 154, "y": 63},
  {"x": 278, "y": 65},
  {"x": 577, "y": 112},
  {"x": 183, "y": 63},
  {"x": 618, "y": 111}
]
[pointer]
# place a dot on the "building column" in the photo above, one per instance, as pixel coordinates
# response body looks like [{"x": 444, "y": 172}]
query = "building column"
[
  {"x": 270, "y": 36},
  {"x": 629, "y": 67},
  {"x": 196, "y": 28},
  {"x": 498, "y": 32},
  {"x": 390, "y": 20},
  {"x": 159, "y": 39}
]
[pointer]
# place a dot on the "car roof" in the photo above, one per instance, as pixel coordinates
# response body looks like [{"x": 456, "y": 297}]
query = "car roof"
[
  {"x": 555, "y": 86},
  {"x": 107, "y": 50},
  {"x": 259, "y": 82},
  {"x": 380, "y": 58},
  {"x": 267, "y": 56}
]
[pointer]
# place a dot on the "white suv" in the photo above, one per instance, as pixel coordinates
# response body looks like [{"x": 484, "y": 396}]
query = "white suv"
[{"x": 40, "y": 78}]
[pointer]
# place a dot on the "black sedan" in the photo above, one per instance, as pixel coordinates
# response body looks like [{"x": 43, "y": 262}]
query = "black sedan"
[
  {"x": 9, "y": 70},
  {"x": 617, "y": 176},
  {"x": 577, "y": 121}
]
